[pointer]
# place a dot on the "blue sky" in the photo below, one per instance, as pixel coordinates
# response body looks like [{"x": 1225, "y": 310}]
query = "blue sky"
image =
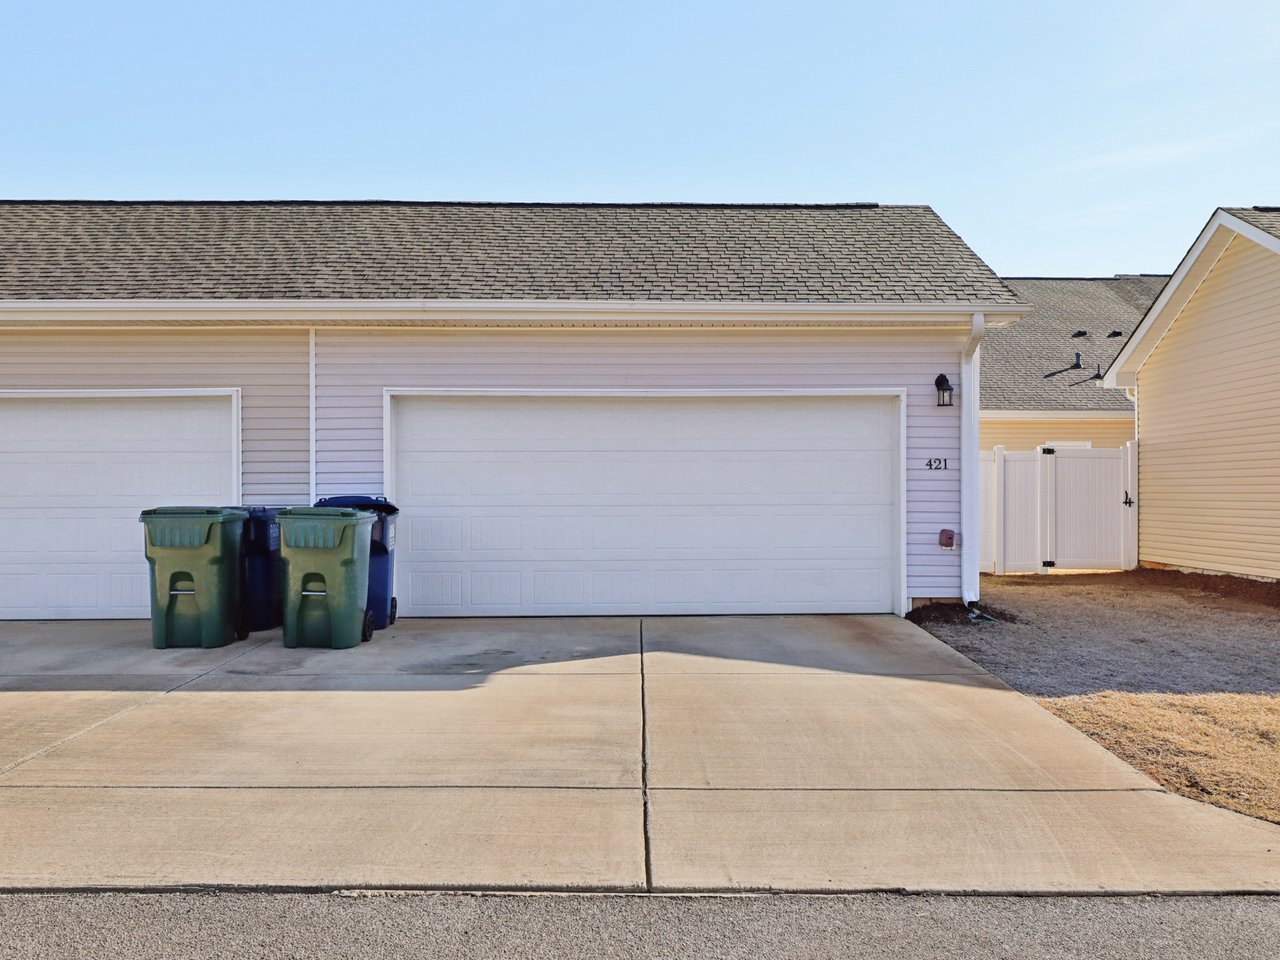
[{"x": 1058, "y": 138}]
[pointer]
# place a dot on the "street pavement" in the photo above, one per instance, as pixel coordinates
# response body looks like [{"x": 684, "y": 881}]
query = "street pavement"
[{"x": 195, "y": 926}]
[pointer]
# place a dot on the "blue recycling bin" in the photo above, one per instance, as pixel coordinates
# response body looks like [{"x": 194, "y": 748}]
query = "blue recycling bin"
[
  {"x": 262, "y": 582},
  {"x": 382, "y": 554}
]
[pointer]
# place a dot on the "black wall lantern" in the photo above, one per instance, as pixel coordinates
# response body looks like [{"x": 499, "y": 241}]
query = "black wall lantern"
[{"x": 945, "y": 391}]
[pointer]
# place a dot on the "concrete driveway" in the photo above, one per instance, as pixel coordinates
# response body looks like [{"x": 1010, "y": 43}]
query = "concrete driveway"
[{"x": 664, "y": 754}]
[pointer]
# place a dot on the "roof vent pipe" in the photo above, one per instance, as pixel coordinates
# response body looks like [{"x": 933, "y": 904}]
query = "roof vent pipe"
[
  {"x": 1077, "y": 365},
  {"x": 1098, "y": 374}
]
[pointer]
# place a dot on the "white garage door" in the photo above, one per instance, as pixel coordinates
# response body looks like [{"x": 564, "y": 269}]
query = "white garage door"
[
  {"x": 564, "y": 505},
  {"x": 76, "y": 472}
]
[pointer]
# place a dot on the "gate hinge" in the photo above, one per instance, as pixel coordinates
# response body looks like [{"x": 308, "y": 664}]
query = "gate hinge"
[
  {"x": 1047, "y": 451},
  {"x": 1048, "y": 563}
]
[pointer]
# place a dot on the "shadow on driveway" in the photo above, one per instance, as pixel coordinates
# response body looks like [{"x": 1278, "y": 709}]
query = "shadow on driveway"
[{"x": 117, "y": 655}]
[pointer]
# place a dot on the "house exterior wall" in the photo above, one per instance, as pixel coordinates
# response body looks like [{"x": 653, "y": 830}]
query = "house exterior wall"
[
  {"x": 354, "y": 366},
  {"x": 1029, "y": 434},
  {"x": 1209, "y": 424},
  {"x": 269, "y": 366}
]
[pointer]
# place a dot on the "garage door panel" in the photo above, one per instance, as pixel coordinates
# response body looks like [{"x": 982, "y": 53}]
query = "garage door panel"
[
  {"x": 89, "y": 538},
  {"x": 618, "y": 588},
  {"x": 710, "y": 477},
  {"x": 98, "y": 591},
  {"x": 82, "y": 469},
  {"x": 853, "y": 532},
  {"x": 484, "y": 424},
  {"x": 89, "y": 535},
  {"x": 53, "y": 425},
  {"x": 630, "y": 504},
  {"x": 19, "y": 587},
  {"x": 79, "y": 481}
]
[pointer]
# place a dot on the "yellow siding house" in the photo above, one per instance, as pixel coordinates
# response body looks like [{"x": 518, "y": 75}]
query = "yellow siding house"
[{"x": 1204, "y": 366}]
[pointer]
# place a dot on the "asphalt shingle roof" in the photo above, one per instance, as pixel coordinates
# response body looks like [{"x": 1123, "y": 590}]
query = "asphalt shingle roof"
[
  {"x": 1027, "y": 366},
  {"x": 839, "y": 253},
  {"x": 1264, "y": 218}
]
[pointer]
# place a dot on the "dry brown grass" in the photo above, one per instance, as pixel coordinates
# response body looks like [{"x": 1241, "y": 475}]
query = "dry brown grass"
[{"x": 1221, "y": 748}]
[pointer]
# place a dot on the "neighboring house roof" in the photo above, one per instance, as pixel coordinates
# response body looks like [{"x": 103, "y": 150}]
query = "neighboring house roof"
[
  {"x": 1260, "y": 225},
  {"x": 1029, "y": 365},
  {"x": 261, "y": 250},
  {"x": 1264, "y": 218}
]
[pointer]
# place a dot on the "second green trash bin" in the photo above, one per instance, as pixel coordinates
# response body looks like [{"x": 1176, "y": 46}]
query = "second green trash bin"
[
  {"x": 194, "y": 553},
  {"x": 325, "y": 552}
]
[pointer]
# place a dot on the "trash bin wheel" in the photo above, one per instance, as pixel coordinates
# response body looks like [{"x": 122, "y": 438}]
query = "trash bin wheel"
[
  {"x": 366, "y": 630},
  {"x": 242, "y": 630},
  {"x": 392, "y": 618}
]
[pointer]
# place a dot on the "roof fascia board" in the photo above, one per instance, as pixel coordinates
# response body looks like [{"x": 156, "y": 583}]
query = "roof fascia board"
[
  {"x": 1196, "y": 265},
  {"x": 487, "y": 312},
  {"x": 1057, "y": 414}
]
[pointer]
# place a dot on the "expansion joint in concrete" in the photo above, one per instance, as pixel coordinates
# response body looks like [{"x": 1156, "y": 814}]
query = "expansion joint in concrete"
[{"x": 644, "y": 768}]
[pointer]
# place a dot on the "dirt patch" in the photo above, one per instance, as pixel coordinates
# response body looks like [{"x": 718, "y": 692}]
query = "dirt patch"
[
  {"x": 1178, "y": 674},
  {"x": 955, "y": 613},
  {"x": 1253, "y": 592},
  {"x": 1223, "y": 749},
  {"x": 1146, "y": 632}
]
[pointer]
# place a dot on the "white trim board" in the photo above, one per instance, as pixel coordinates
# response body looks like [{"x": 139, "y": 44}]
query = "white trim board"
[
  {"x": 902, "y": 601},
  {"x": 123, "y": 392}
]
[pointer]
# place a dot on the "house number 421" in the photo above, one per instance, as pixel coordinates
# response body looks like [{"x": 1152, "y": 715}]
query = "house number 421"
[{"x": 936, "y": 463}]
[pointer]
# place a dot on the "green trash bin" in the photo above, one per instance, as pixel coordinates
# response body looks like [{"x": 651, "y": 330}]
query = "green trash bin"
[
  {"x": 194, "y": 555},
  {"x": 325, "y": 551}
]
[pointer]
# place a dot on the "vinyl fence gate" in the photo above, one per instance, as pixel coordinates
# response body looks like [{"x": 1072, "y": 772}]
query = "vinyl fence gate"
[{"x": 1059, "y": 508}]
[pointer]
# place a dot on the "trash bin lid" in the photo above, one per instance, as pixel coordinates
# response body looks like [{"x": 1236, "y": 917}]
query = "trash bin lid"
[
  {"x": 341, "y": 515},
  {"x": 319, "y": 528},
  {"x": 378, "y": 504},
  {"x": 229, "y": 513},
  {"x": 188, "y": 528}
]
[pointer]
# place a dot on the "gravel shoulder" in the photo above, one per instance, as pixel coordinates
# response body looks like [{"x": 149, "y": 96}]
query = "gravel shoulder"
[{"x": 1177, "y": 674}]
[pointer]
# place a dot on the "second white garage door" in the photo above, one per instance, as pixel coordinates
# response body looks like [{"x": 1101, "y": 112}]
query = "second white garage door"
[{"x": 590, "y": 505}]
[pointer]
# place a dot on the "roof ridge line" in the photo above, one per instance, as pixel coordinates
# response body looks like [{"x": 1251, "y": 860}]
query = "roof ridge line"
[
  {"x": 1115, "y": 276},
  {"x": 839, "y": 205}
]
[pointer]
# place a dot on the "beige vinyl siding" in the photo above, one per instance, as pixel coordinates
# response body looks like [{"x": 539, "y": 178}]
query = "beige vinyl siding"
[
  {"x": 353, "y": 367},
  {"x": 271, "y": 368},
  {"x": 1209, "y": 409},
  {"x": 1029, "y": 434}
]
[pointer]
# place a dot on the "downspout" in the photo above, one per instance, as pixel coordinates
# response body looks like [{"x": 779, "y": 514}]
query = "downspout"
[
  {"x": 970, "y": 467},
  {"x": 311, "y": 415},
  {"x": 1135, "y": 468}
]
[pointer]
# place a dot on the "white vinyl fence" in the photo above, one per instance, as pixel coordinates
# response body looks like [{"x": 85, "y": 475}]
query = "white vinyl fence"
[{"x": 1059, "y": 508}]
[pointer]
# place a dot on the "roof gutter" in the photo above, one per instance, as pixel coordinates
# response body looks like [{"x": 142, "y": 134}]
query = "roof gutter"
[{"x": 484, "y": 312}]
